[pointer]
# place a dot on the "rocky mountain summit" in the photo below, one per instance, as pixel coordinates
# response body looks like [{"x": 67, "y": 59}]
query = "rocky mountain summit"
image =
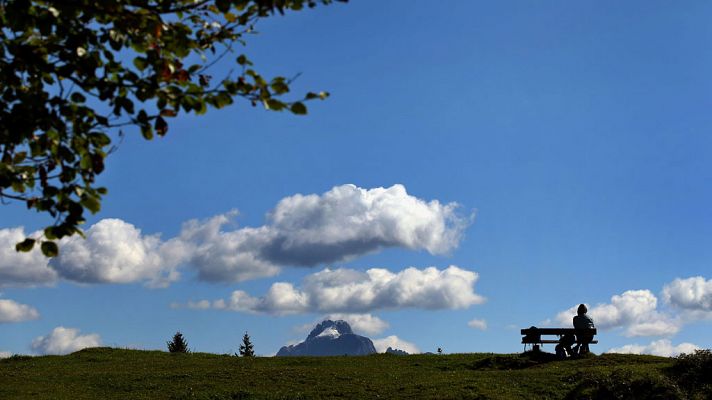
[{"x": 330, "y": 338}]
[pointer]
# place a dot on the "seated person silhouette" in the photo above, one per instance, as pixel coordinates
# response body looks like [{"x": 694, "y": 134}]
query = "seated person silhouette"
[
  {"x": 583, "y": 321},
  {"x": 563, "y": 349}
]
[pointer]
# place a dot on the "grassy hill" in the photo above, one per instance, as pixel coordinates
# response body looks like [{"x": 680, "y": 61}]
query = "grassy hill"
[{"x": 105, "y": 373}]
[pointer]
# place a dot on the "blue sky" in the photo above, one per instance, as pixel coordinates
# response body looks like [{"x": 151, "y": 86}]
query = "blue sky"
[{"x": 576, "y": 134}]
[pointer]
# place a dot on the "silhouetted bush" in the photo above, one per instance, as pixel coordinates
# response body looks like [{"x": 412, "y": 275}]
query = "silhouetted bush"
[
  {"x": 693, "y": 373},
  {"x": 178, "y": 344},
  {"x": 622, "y": 384}
]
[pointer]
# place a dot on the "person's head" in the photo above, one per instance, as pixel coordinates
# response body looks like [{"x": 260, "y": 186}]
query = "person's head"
[{"x": 582, "y": 309}]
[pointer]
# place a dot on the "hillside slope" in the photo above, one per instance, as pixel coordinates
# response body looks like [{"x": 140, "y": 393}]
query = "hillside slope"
[{"x": 122, "y": 374}]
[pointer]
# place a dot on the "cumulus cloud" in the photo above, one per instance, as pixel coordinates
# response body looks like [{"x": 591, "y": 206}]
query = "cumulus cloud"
[
  {"x": 634, "y": 311},
  {"x": 692, "y": 294},
  {"x": 5, "y": 354},
  {"x": 348, "y": 221},
  {"x": 302, "y": 230},
  {"x": 115, "y": 251},
  {"x": 231, "y": 256},
  {"x": 362, "y": 323},
  {"x": 309, "y": 230},
  {"x": 12, "y": 311},
  {"x": 350, "y": 291},
  {"x": 662, "y": 347},
  {"x": 64, "y": 341},
  {"x": 22, "y": 269},
  {"x": 394, "y": 342},
  {"x": 480, "y": 324}
]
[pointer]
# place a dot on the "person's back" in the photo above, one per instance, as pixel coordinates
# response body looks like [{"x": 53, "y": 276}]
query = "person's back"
[{"x": 583, "y": 321}]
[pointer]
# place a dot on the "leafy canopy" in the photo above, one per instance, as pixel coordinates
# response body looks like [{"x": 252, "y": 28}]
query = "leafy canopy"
[{"x": 73, "y": 74}]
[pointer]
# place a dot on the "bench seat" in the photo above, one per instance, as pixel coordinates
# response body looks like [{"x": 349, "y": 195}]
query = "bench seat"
[{"x": 533, "y": 335}]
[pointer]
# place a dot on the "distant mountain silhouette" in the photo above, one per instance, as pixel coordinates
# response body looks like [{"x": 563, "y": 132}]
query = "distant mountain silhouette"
[{"x": 330, "y": 338}]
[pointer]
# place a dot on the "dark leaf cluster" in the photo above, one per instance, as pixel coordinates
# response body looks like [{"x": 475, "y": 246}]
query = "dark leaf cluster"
[{"x": 73, "y": 74}]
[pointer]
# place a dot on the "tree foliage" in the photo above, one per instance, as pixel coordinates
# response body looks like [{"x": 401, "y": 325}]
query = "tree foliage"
[
  {"x": 246, "y": 348},
  {"x": 178, "y": 344},
  {"x": 74, "y": 74}
]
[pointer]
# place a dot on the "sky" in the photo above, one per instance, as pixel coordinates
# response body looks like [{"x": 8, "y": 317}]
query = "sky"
[{"x": 480, "y": 167}]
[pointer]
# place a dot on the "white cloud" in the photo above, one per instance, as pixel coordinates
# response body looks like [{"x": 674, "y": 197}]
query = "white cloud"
[
  {"x": 12, "y": 311},
  {"x": 64, "y": 341},
  {"x": 348, "y": 221},
  {"x": 394, "y": 342},
  {"x": 302, "y": 230},
  {"x": 361, "y": 323},
  {"x": 345, "y": 222},
  {"x": 480, "y": 324},
  {"x": 115, "y": 251},
  {"x": 693, "y": 294},
  {"x": 5, "y": 354},
  {"x": 635, "y": 311},
  {"x": 22, "y": 269},
  {"x": 661, "y": 347},
  {"x": 351, "y": 291},
  {"x": 232, "y": 256}
]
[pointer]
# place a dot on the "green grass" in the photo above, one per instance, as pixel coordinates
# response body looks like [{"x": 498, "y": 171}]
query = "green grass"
[{"x": 105, "y": 373}]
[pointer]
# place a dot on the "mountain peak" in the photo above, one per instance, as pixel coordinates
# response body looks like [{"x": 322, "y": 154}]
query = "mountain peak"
[
  {"x": 330, "y": 338},
  {"x": 331, "y": 328}
]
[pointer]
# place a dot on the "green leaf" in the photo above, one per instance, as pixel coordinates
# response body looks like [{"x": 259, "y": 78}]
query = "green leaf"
[
  {"x": 51, "y": 232},
  {"x": 147, "y": 131},
  {"x": 78, "y": 97},
  {"x": 298, "y": 108},
  {"x": 25, "y": 245},
  {"x": 49, "y": 249},
  {"x": 273, "y": 104},
  {"x": 242, "y": 60},
  {"x": 140, "y": 63},
  {"x": 161, "y": 126},
  {"x": 91, "y": 203}
]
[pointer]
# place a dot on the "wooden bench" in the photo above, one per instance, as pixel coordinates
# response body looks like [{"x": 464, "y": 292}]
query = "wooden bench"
[{"x": 534, "y": 335}]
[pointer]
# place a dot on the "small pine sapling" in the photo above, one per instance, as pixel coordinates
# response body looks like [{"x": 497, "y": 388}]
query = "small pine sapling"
[
  {"x": 178, "y": 344},
  {"x": 246, "y": 348}
]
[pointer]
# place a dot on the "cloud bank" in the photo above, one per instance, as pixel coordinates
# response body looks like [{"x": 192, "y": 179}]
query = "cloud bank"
[
  {"x": 301, "y": 230},
  {"x": 663, "y": 348},
  {"x": 350, "y": 291},
  {"x": 64, "y": 341},
  {"x": 343, "y": 223},
  {"x": 634, "y": 311},
  {"x": 12, "y": 311}
]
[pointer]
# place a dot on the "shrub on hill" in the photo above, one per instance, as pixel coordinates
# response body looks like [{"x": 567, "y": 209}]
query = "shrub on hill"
[
  {"x": 623, "y": 384},
  {"x": 693, "y": 373}
]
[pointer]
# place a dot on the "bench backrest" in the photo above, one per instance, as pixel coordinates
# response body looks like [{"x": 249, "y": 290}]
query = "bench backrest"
[{"x": 557, "y": 331}]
